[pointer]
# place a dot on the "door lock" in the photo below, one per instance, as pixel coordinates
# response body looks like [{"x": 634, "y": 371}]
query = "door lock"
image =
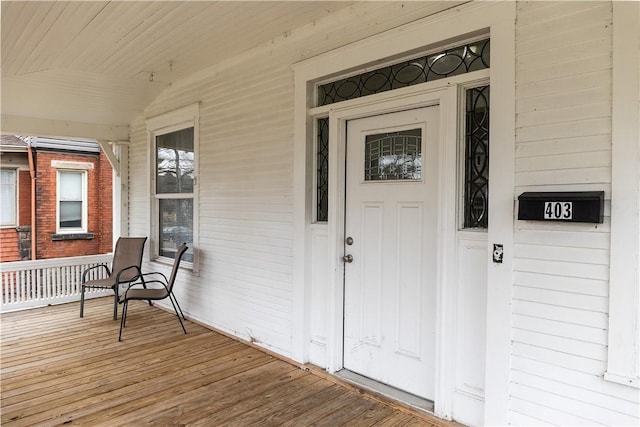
[
  {"x": 347, "y": 258},
  {"x": 349, "y": 240}
]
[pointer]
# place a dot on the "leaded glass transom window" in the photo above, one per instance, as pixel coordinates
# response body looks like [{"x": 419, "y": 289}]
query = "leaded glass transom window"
[
  {"x": 458, "y": 60},
  {"x": 393, "y": 156},
  {"x": 322, "y": 171},
  {"x": 476, "y": 191}
]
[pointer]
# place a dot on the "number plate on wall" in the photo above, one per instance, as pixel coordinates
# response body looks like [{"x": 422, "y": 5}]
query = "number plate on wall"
[
  {"x": 558, "y": 210},
  {"x": 575, "y": 206}
]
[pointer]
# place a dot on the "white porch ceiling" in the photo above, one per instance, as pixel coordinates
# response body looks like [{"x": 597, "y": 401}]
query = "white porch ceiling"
[{"x": 102, "y": 62}]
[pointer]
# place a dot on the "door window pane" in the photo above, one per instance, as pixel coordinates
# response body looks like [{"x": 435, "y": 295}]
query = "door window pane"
[{"x": 393, "y": 156}]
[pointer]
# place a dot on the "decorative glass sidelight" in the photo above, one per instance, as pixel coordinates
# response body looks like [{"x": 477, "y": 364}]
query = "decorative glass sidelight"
[
  {"x": 322, "y": 170},
  {"x": 476, "y": 179},
  {"x": 393, "y": 156},
  {"x": 450, "y": 62}
]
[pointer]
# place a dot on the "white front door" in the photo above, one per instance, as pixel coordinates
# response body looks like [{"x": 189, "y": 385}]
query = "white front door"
[{"x": 391, "y": 235}]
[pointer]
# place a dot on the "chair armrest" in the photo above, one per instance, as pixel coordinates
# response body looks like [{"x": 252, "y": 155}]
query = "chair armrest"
[
  {"x": 152, "y": 273},
  {"x": 135, "y": 267},
  {"x": 84, "y": 273}
]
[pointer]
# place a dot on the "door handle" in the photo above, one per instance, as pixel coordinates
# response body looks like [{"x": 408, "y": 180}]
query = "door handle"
[{"x": 347, "y": 258}]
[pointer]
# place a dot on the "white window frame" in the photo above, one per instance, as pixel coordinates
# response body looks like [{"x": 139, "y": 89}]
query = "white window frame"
[
  {"x": 85, "y": 202},
  {"x": 14, "y": 199},
  {"x": 173, "y": 121}
]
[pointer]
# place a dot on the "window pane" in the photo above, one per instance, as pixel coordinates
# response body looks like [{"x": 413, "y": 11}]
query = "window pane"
[
  {"x": 457, "y": 60},
  {"x": 322, "y": 175},
  {"x": 8, "y": 197},
  {"x": 175, "y": 162},
  {"x": 70, "y": 214},
  {"x": 176, "y": 226},
  {"x": 476, "y": 191},
  {"x": 70, "y": 185},
  {"x": 393, "y": 156}
]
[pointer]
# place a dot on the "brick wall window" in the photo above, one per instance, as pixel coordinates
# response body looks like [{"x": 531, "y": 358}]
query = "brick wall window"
[
  {"x": 9, "y": 197},
  {"x": 72, "y": 201}
]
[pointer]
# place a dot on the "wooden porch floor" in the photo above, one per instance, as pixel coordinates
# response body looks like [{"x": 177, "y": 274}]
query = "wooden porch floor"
[{"x": 59, "y": 369}]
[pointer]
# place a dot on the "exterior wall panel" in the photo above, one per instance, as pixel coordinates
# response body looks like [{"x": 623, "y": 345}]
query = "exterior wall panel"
[
  {"x": 245, "y": 187},
  {"x": 245, "y": 284},
  {"x": 561, "y": 271}
]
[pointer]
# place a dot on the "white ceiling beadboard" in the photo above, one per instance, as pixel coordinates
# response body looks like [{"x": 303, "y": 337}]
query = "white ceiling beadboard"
[{"x": 103, "y": 61}]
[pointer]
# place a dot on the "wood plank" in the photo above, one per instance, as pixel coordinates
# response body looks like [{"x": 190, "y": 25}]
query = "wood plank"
[
  {"x": 550, "y": 71},
  {"x": 214, "y": 398},
  {"x": 577, "y": 236},
  {"x": 547, "y": 252},
  {"x": 589, "y": 397},
  {"x": 564, "y": 86},
  {"x": 564, "y": 53},
  {"x": 59, "y": 369},
  {"x": 591, "y": 110},
  {"x": 251, "y": 409},
  {"x": 546, "y": 310},
  {"x": 564, "y": 360},
  {"x": 597, "y": 91},
  {"x": 562, "y": 268},
  {"x": 560, "y": 344},
  {"x": 595, "y": 414},
  {"x": 598, "y": 288},
  {"x": 561, "y": 329},
  {"x": 569, "y": 376},
  {"x": 594, "y": 26},
  {"x": 592, "y": 304},
  {"x": 568, "y": 129}
]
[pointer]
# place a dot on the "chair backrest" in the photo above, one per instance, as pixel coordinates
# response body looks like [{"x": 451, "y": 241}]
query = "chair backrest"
[
  {"x": 176, "y": 264},
  {"x": 128, "y": 252}
]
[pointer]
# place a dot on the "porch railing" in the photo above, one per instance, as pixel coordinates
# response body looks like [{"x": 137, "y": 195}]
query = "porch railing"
[{"x": 27, "y": 284}]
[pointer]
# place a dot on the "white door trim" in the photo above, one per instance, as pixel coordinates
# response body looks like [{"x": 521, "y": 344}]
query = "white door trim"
[
  {"x": 425, "y": 95},
  {"x": 498, "y": 18}
]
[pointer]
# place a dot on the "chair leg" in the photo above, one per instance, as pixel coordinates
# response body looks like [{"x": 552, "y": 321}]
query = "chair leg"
[
  {"x": 123, "y": 319},
  {"x": 115, "y": 302},
  {"x": 82, "y": 301},
  {"x": 174, "y": 301},
  {"x": 144, "y": 285}
]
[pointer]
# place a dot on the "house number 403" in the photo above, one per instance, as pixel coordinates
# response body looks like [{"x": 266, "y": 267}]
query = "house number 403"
[{"x": 558, "y": 210}]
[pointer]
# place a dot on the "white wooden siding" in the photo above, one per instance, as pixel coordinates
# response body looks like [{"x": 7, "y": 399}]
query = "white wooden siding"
[
  {"x": 245, "y": 181},
  {"x": 245, "y": 200},
  {"x": 563, "y": 142},
  {"x": 561, "y": 271}
]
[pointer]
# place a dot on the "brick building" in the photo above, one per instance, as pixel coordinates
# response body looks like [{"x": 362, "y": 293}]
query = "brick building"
[{"x": 58, "y": 191}]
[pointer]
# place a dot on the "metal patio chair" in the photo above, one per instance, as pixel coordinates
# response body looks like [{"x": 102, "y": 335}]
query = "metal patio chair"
[
  {"x": 160, "y": 288},
  {"x": 125, "y": 269}
]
